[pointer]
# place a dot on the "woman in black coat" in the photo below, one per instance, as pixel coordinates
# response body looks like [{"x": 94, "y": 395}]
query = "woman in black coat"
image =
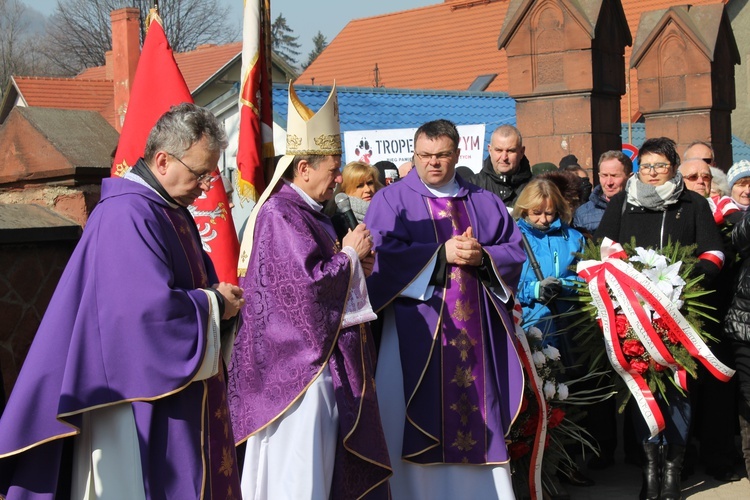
[{"x": 656, "y": 208}]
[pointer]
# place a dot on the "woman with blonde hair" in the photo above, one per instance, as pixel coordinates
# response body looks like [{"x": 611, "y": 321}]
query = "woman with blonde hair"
[
  {"x": 360, "y": 183},
  {"x": 543, "y": 215}
]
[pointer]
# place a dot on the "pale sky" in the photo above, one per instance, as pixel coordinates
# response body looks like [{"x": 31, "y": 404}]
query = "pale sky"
[{"x": 305, "y": 17}]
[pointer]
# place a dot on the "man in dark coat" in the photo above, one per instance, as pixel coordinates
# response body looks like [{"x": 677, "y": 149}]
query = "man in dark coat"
[
  {"x": 506, "y": 170},
  {"x": 615, "y": 168}
]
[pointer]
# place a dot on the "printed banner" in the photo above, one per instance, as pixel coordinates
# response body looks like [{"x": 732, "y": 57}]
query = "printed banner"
[{"x": 397, "y": 146}]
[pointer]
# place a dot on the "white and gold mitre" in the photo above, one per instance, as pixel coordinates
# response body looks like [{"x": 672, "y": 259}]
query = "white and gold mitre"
[{"x": 309, "y": 133}]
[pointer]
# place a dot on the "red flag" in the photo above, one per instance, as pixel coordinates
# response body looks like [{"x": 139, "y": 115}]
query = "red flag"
[
  {"x": 256, "y": 120},
  {"x": 157, "y": 86}
]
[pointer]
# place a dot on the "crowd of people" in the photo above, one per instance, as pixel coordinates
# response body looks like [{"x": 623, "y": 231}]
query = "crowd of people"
[{"x": 364, "y": 354}]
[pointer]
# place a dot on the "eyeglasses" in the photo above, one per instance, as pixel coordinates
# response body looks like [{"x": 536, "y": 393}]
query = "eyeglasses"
[
  {"x": 659, "y": 168},
  {"x": 694, "y": 177},
  {"x": 442, "y": 156},
  {"x": 201, "y": 178}
]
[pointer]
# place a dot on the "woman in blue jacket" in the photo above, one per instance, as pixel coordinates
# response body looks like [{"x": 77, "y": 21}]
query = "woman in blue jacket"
[{"x": 544, "y": 215}]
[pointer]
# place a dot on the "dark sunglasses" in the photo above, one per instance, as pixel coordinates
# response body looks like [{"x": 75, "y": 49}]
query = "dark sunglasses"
[{"x": 694, "y": 177}]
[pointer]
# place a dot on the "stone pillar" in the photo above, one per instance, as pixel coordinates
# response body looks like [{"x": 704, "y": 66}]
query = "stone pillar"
[
  {"x": 685, "y": 59},
  {"x": 566, "y": 71}
]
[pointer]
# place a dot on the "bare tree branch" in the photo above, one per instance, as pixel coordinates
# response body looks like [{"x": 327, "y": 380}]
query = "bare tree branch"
[{"x": 80, "y": 30}]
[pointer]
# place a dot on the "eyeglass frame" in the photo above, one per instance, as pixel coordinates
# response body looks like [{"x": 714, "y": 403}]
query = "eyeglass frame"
[
  {"x": 441, "y": 156},
  {"x": 201, "y": 178},
  {"x": 654, "y": 167},
  {"x": 694, "y": 177}
]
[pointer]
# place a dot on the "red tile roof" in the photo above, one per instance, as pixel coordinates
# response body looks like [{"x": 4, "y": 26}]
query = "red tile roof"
[
  {"x": 440, "y": 47},
  {"x": 196, "y": 66},
  {"x": 91, "y": 90},
  {"x": 68, "y": 93}
]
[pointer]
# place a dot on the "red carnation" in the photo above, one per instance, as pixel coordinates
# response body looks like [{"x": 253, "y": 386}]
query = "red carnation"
[
  {"x": 621, "y": 325},
  {"x": 658, "y": 367},
  {"x": 529, "y": 427},
  {"x": 633, "y": 348},
  {"x": 672, "y": 336},
  {"x": 556, "y": 417},
  {"x": 639, "y": 366},
  {"x": 518, "y": 449}
]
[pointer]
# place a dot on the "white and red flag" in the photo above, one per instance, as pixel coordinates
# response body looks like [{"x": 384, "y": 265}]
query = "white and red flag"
[{"x": 256, "y": 120}]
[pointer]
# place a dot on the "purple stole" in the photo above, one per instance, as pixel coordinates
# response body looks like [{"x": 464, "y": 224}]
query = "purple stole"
[
  {"x": 462, "y": 349},
  {"x": 223, "y": 481}
]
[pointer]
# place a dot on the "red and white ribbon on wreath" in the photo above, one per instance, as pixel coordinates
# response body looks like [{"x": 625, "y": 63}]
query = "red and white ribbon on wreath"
[
  {"x": 537, "y": 386},
  {"x": 630, "y": 287}
]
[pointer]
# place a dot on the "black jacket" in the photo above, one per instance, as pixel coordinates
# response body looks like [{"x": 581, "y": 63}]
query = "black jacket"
[
  {"x": 737, "y": 320},
  {"x": 688, "y": 221},
  {"x": 506, "y": 187}
]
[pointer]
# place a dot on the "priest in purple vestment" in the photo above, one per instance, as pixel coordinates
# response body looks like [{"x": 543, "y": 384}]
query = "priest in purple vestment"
[
  {"x": 301, "y": 380},
  {"x": 123, "y": 393},
  {"x": 448, "y": 259}
]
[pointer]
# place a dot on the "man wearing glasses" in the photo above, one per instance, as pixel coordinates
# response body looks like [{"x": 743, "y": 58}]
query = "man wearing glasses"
[
  {"x": 506, "y": 170},
  {"x": 125, "y": 378},
  {"x": 448, "y": 259}
]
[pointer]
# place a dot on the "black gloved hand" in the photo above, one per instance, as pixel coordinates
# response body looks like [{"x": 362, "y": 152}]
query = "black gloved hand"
[{"x": 549, "y": 288}]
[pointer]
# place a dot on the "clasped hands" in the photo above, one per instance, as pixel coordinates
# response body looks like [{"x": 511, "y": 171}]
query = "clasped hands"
[{"x": 464, "y": 250}]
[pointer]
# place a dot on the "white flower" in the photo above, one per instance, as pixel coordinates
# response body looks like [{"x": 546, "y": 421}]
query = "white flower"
[
  {"x": 666, "y": 278},
  {"x": 539, "y": 359},
  {"x": 551, "y": 352},
  {"x": 649, "y": 257},
  {"x": 562, "y": 391},
  {"x": 549, "y": 390},
  {"x": 534, "y": 333}
]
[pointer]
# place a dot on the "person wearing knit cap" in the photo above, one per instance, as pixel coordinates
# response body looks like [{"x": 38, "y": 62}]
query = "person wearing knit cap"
[
  {"x": 738, "y": 178},
  {"x": 568, "y": 160},
  {"x": 543, "y": 167}
]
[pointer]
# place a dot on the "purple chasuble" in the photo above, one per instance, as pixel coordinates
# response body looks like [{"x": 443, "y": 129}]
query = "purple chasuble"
[
  {"x": 463, "y": 381},
  {"x": 127, "y": 323},
  {"x": 296, "y": 287}
]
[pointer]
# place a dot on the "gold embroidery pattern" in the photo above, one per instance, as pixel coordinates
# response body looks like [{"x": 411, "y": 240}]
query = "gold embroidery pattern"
[
  {"x": 456, "y": 277},
  {"x": 328, "y": 142},
  {"x": 222, "y": 414},
  {"x": 293, "y": 142},
  {"x": 227, "y": 462},
  {"x": 463, "y": 377},
  {"x": 453, "y": 215},
  {"x": 122, "y": 168},
  {"x": 464, "y": 408},
  {"x": 463, "y": 310},
  {"x": 464, "y": 442},
  {"x": 463, "y": 343}
]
